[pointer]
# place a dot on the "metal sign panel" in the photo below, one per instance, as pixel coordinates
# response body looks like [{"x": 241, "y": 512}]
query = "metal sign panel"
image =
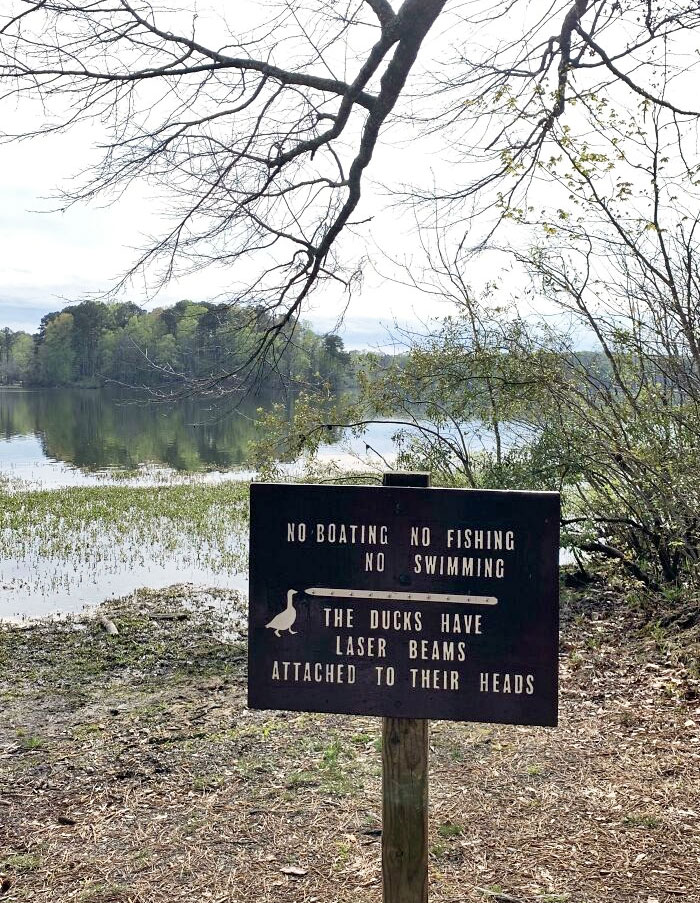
[{"x": 405, "y": 602}]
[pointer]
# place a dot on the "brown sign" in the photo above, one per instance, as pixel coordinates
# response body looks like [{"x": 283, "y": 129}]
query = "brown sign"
[{"x": 408, "y": 602}]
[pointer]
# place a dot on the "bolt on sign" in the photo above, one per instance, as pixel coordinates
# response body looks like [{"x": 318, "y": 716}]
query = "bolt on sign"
[{"x": 404, "y": 602}]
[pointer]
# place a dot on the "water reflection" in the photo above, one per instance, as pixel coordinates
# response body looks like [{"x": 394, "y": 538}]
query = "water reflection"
[{"x": 97, "y": 430}]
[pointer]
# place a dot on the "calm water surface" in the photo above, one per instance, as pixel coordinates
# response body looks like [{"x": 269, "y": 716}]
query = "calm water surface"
[
  {"x": 53, "y": 439},
  {"x": 59, "y": 438},
  {"x": 62, "y": 436}
]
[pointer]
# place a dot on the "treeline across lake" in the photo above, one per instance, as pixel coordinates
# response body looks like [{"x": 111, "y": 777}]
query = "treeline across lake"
[{"x": 92, "y": 342}]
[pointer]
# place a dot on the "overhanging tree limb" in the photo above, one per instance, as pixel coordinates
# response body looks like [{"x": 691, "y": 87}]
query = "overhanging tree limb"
[{"x": 261, "y": 136}]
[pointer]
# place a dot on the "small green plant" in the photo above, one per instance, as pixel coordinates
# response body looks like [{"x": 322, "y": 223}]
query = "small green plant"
[
  {"x": 106, "y": 891},
  {"x": 331, "y": 754},
  {"x": 659, "y": 635},
  {"x": 21, "y": 862},
  {"x": 302, "y": 779},
  {"x": 449, "y": 829},
  {"x": 672, "y": 690},
  {"x": 575, "y": 660},
  {"x": 268, "y": 728},
  {"x": 673, "y": 593},
  {"x": 641, "y": 821},
  {"x": 86, "y": 731},
  {"x": 29, "y": 743},
  {"x": 207, "y": 782},
  {"x": 593, "y": 642},
  {"x": 343, "y": 851}
]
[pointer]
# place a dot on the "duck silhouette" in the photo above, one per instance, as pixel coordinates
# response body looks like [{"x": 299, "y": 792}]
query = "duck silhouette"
[{"x": 286, "y": 618}]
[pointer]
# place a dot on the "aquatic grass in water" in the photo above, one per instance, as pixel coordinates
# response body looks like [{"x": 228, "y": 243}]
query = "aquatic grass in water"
[{"x": 62, "y": 549}]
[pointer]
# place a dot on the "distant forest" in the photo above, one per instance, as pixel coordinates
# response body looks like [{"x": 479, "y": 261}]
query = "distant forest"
[{"x": 90, "y": 343}]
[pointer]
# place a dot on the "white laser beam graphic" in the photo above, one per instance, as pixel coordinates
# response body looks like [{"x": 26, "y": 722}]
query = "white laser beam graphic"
[{"x": 398, "y": 596}]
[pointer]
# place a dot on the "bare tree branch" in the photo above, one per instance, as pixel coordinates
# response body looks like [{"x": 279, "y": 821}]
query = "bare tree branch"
[
  {"x": 383, "y": 11},
  {"x": 261, "y": 137}
]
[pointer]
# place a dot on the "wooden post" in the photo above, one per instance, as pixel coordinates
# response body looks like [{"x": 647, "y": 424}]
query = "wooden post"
[{"x": 405, "y": 788}]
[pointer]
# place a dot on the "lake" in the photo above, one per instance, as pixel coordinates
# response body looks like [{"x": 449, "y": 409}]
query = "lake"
[
  {"x": 63, "y": 452},
  {"x": 103, "y": 493}
]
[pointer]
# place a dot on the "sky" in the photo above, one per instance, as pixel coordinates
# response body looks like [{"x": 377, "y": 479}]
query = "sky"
[{"x": 49, "y": 259}]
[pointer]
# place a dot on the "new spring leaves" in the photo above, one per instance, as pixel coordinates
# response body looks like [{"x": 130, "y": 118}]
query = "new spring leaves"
[{"x": 403, "y": 601}]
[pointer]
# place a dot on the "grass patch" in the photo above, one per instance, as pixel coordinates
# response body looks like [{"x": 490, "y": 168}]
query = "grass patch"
[
  {"x": 331, "y": 754},
  {"x": 29, "y": 743},
  {"x": 21, "y": 862},
  {"x": 438, "y": 850},
  {"x": 74, "y": 536},
  {"x": 449, "y": 829},
  {"x": 641, "y": 821},
  {"x": 105, "y": 892},
  {"x": 207, "y": 782},
  {"x": 302, "y": 779}
]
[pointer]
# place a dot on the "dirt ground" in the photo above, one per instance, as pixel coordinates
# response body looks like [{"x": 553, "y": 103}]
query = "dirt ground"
[{"x": 131, "y": 770}]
